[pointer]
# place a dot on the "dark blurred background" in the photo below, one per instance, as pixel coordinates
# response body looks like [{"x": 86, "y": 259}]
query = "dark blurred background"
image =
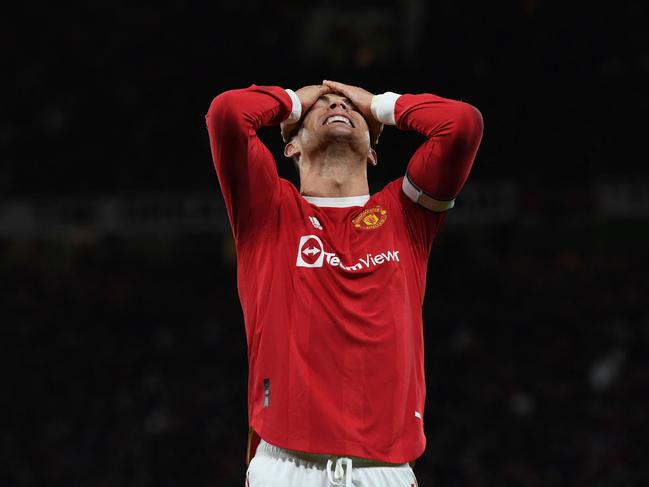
[{"x": 122, "y": 342}]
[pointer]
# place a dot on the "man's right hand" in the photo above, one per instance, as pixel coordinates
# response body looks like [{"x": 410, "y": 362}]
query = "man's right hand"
[{"x": 308, "y": 95}]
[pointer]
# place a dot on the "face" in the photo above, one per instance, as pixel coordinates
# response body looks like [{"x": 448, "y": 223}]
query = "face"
[{"x": 334, "y": 117}]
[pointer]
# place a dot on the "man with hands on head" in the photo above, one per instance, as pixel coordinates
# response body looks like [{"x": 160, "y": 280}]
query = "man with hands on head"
[{"x": 332, "y": 279}]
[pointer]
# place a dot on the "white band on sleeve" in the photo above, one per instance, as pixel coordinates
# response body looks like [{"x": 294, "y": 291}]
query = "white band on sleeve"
[
  {"x": 382, "y": 107},
  {"x": 296, "y": 111},
  {"x": 421, "y": 198}
]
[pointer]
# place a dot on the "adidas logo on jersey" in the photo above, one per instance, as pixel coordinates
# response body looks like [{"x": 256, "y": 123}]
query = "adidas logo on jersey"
[
  {"x": 315, "y": 222},
  {"x": 311, "y": 253}
]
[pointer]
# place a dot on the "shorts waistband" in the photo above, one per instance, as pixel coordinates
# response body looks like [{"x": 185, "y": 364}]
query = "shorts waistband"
[{"x": 320, "y": 460}]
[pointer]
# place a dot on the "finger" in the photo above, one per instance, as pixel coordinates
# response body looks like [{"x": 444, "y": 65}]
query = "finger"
[
  {"x": 310, "y": 94},
  {"x": 315, "y": 94},
  {"x": 325, "y": 89},
  {"x": 336, "y": 86}
]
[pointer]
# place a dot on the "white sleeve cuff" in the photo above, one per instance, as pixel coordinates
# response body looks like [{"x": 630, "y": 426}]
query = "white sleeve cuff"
[
  {"x": 296, "y": 111},
  {"x": 382, "y": 107}
]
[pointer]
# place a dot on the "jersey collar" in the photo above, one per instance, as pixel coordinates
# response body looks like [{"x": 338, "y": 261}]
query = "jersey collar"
[{"x": 344, "y": 202}]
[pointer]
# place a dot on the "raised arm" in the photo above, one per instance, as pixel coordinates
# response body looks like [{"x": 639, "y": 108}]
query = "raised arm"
[
  {"x": 245, "y": 167},
  {"x": 439, "y": 168}
]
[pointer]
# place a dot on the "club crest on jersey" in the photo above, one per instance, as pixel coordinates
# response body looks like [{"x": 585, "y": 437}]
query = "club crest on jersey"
[{"x": 371, "y": 218}]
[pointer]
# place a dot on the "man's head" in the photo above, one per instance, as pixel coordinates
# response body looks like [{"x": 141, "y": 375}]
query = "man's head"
[{"x": 332, "y": 123}]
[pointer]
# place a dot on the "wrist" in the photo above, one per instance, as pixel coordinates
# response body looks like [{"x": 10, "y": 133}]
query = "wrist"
[
  {"x": 382, "y": 107},
  {"x": 296, "y": 108}
]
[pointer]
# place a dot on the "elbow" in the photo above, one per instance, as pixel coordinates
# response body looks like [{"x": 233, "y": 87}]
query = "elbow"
[
  {"x": 227, "y": 116},
  {"x": 469, "y": 124},
  {"x": 472, "y": 120},
  {"x": 223, "y": 107},
  {"x": 231, "y": 108}
]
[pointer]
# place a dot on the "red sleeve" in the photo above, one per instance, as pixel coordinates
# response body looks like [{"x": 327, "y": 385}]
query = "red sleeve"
[
  {"x": 441, "y": 165},
  {"x": 245, "y": 167}
]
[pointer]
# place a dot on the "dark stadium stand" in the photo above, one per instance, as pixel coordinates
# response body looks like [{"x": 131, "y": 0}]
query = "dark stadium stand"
[{"x": 123, "y": 347}]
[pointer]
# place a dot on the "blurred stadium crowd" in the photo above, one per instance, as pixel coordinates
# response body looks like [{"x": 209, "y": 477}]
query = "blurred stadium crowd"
[{"x": 124, "y": 355}]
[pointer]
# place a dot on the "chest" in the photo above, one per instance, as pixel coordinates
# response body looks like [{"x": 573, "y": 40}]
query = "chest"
[{"x": 357, "y": 239}]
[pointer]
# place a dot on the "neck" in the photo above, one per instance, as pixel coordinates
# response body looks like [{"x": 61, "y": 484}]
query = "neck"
[{"x": 333, "y": 173}]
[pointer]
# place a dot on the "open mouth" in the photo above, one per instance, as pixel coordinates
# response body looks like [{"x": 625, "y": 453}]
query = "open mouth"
[{"x": 338, "y": 119}]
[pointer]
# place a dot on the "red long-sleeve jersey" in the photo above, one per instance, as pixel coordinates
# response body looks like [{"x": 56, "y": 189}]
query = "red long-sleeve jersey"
[{"x": 332, "y": 288}]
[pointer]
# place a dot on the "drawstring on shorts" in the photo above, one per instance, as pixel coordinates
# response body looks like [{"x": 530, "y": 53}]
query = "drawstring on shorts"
[
  {"x": 339, "y": 469},
  {"x": 341, "y": 477}
]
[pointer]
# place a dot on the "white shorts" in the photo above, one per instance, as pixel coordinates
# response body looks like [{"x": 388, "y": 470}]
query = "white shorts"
[{"x": 276, "y": 467}]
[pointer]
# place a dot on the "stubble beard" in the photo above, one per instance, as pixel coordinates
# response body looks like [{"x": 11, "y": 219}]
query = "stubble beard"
[{"x": 335, "y": 145}]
